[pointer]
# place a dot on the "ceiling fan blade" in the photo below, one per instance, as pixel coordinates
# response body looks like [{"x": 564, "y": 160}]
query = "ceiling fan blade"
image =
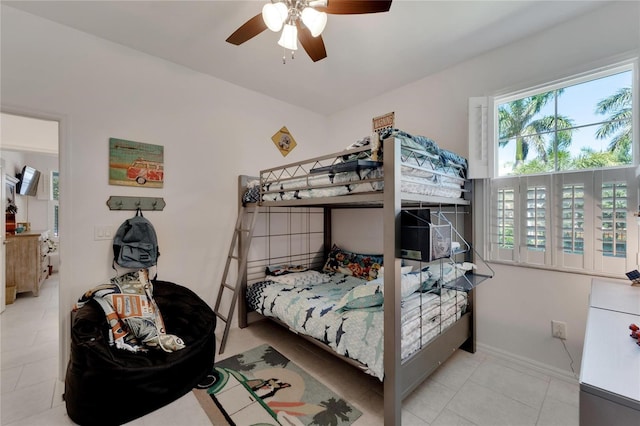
[
  {"x": 314, "y": 46},
  {"x": 248, "y": 30},
  {"x": 354, "y": 7}
]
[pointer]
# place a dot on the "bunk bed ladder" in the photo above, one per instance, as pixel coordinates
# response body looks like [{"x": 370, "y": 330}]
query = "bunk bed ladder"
[{"x": 237, "y": 251}]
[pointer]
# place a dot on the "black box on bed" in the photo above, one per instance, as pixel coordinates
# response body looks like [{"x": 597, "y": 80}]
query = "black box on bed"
[{"x": 422, "y": 240}]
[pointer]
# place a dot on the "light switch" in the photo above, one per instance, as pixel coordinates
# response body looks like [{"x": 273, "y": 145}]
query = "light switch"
[{"x": 103, "y": 232}]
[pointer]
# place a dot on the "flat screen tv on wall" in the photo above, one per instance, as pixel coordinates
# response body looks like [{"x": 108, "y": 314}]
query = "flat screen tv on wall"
[{"x": 28, "y": 184}]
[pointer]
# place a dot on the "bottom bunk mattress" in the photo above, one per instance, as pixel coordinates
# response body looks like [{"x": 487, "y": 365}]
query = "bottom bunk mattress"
[{"x": 346, "y": 313}]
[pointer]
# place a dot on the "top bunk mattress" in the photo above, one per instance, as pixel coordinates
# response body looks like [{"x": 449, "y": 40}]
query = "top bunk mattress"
[{"x": 426, "y": 170}]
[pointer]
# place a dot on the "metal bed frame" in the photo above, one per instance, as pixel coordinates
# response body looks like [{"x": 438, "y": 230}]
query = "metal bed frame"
[{"x": 400, "y": 378}]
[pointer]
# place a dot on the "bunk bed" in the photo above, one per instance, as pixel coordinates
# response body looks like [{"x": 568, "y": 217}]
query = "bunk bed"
[{"x": 427, "y": 312}]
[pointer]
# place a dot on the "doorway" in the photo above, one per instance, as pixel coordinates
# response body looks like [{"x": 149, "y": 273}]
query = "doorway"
[{"x": 33, "y": 143}]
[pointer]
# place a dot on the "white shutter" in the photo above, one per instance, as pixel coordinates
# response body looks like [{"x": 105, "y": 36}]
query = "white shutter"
[
  {"x": 616, "y": 244},
  {"x": 505, "y": 219},
  {"x": 535, "y": 232},
  {"x": 574, "y": 220},
  {"x": 480, "y": 138}
]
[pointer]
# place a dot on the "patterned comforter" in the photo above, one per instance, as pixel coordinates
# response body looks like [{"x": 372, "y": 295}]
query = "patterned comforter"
[{"x": 315, "y": 310}]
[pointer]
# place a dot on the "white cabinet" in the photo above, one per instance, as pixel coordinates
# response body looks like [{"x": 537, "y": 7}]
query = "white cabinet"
[{"x": 610, "y": 372}]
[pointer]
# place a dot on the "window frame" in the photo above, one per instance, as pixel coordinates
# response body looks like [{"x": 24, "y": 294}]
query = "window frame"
[
  {"x": 625, "y": 66},
  {"x": 483, "y": 156}
]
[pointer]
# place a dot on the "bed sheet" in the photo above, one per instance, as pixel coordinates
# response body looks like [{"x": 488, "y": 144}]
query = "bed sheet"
[
  {"x": 416, "y": 179},
  {"x": 356, "y": 333},
  {"x": 432, "y": 186}
]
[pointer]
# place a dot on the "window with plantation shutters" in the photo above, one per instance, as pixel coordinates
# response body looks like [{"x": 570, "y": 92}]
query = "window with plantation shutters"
[
  {"x": 558, "y": 163},
  {"x": 577, "y": 221}
]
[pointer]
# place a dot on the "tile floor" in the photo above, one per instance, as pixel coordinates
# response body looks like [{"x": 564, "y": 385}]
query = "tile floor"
[{"x": 467, "y": 390}]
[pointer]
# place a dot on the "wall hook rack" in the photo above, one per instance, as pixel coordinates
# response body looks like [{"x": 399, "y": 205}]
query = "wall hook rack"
[{"x": 134, "y": 203}]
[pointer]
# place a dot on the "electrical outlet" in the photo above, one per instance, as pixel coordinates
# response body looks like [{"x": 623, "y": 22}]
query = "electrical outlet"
[{"x": 559, "y": 329}]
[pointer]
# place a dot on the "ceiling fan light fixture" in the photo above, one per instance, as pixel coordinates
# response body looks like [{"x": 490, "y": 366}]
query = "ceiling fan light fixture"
[
  {"x": 274, "y": 15},
  {"x": 289, "y": 37},
  {"x": 315, "y": 21},
  {"x": 308, "y": 16}
]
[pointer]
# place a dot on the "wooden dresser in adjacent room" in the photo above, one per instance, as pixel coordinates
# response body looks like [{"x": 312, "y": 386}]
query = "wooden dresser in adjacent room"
[{"x": 27, "y": 263}]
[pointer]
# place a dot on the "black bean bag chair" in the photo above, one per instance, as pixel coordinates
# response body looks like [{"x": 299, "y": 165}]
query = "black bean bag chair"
[{"x": 109, "y": 386}]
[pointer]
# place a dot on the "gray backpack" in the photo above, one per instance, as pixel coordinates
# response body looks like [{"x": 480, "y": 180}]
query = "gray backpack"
[{"x": 135, "y": 244}]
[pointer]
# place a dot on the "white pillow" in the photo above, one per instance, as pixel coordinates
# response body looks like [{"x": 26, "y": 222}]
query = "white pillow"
[
  {"x": 363, "y": 296},
  {"x": 403, "y": 270},
  {"x": 410, "y": 281},
  {"x": 301, "y": 279}
]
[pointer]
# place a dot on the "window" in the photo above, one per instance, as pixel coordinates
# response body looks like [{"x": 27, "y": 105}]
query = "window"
[
  {"x": 563, "y": 187},
  {"x": 55, "y": 188},
  {"x": 583, "y": 124}
]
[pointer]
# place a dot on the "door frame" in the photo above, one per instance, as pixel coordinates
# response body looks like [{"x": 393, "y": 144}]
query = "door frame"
[{"x": 65, "y": 220}]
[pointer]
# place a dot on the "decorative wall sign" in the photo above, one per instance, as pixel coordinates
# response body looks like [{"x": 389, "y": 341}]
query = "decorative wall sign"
[
  {"x": 384, "y": 122},
  {"x": 284, "y": 141},
  {"x": 135, "y": 164},
  {"x": 378, "y": 124}
]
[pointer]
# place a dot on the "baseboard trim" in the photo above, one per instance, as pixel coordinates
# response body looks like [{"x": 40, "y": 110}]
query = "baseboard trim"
[{"x": 540, "y": 367}]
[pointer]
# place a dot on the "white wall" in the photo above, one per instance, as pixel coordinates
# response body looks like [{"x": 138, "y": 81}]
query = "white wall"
[
  {"x": 211, "y": 131},
  {"x": 515, "y": 308},
  {"x": 26, "y": 134}
]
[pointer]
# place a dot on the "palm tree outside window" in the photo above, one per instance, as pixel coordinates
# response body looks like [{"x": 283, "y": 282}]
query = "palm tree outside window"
[{"x": 581, "y": 126}]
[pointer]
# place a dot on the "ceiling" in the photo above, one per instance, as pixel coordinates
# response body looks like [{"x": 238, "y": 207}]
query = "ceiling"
[{"x": 367, "y": 54}]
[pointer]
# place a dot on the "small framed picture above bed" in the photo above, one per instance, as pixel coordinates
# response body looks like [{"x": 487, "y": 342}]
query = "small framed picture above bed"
[
  {"x": 440, "y": 240},
  {"x": 284, "y": 141}
]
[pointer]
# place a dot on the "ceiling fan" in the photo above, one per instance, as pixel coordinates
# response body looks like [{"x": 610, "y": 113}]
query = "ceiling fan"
[{"x": 303, "y": 20}]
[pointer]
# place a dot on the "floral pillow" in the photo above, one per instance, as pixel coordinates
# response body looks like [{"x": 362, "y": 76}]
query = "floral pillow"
[
  {"x": 364, "y": 266},
  {"x": 301, "y": 279}
]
